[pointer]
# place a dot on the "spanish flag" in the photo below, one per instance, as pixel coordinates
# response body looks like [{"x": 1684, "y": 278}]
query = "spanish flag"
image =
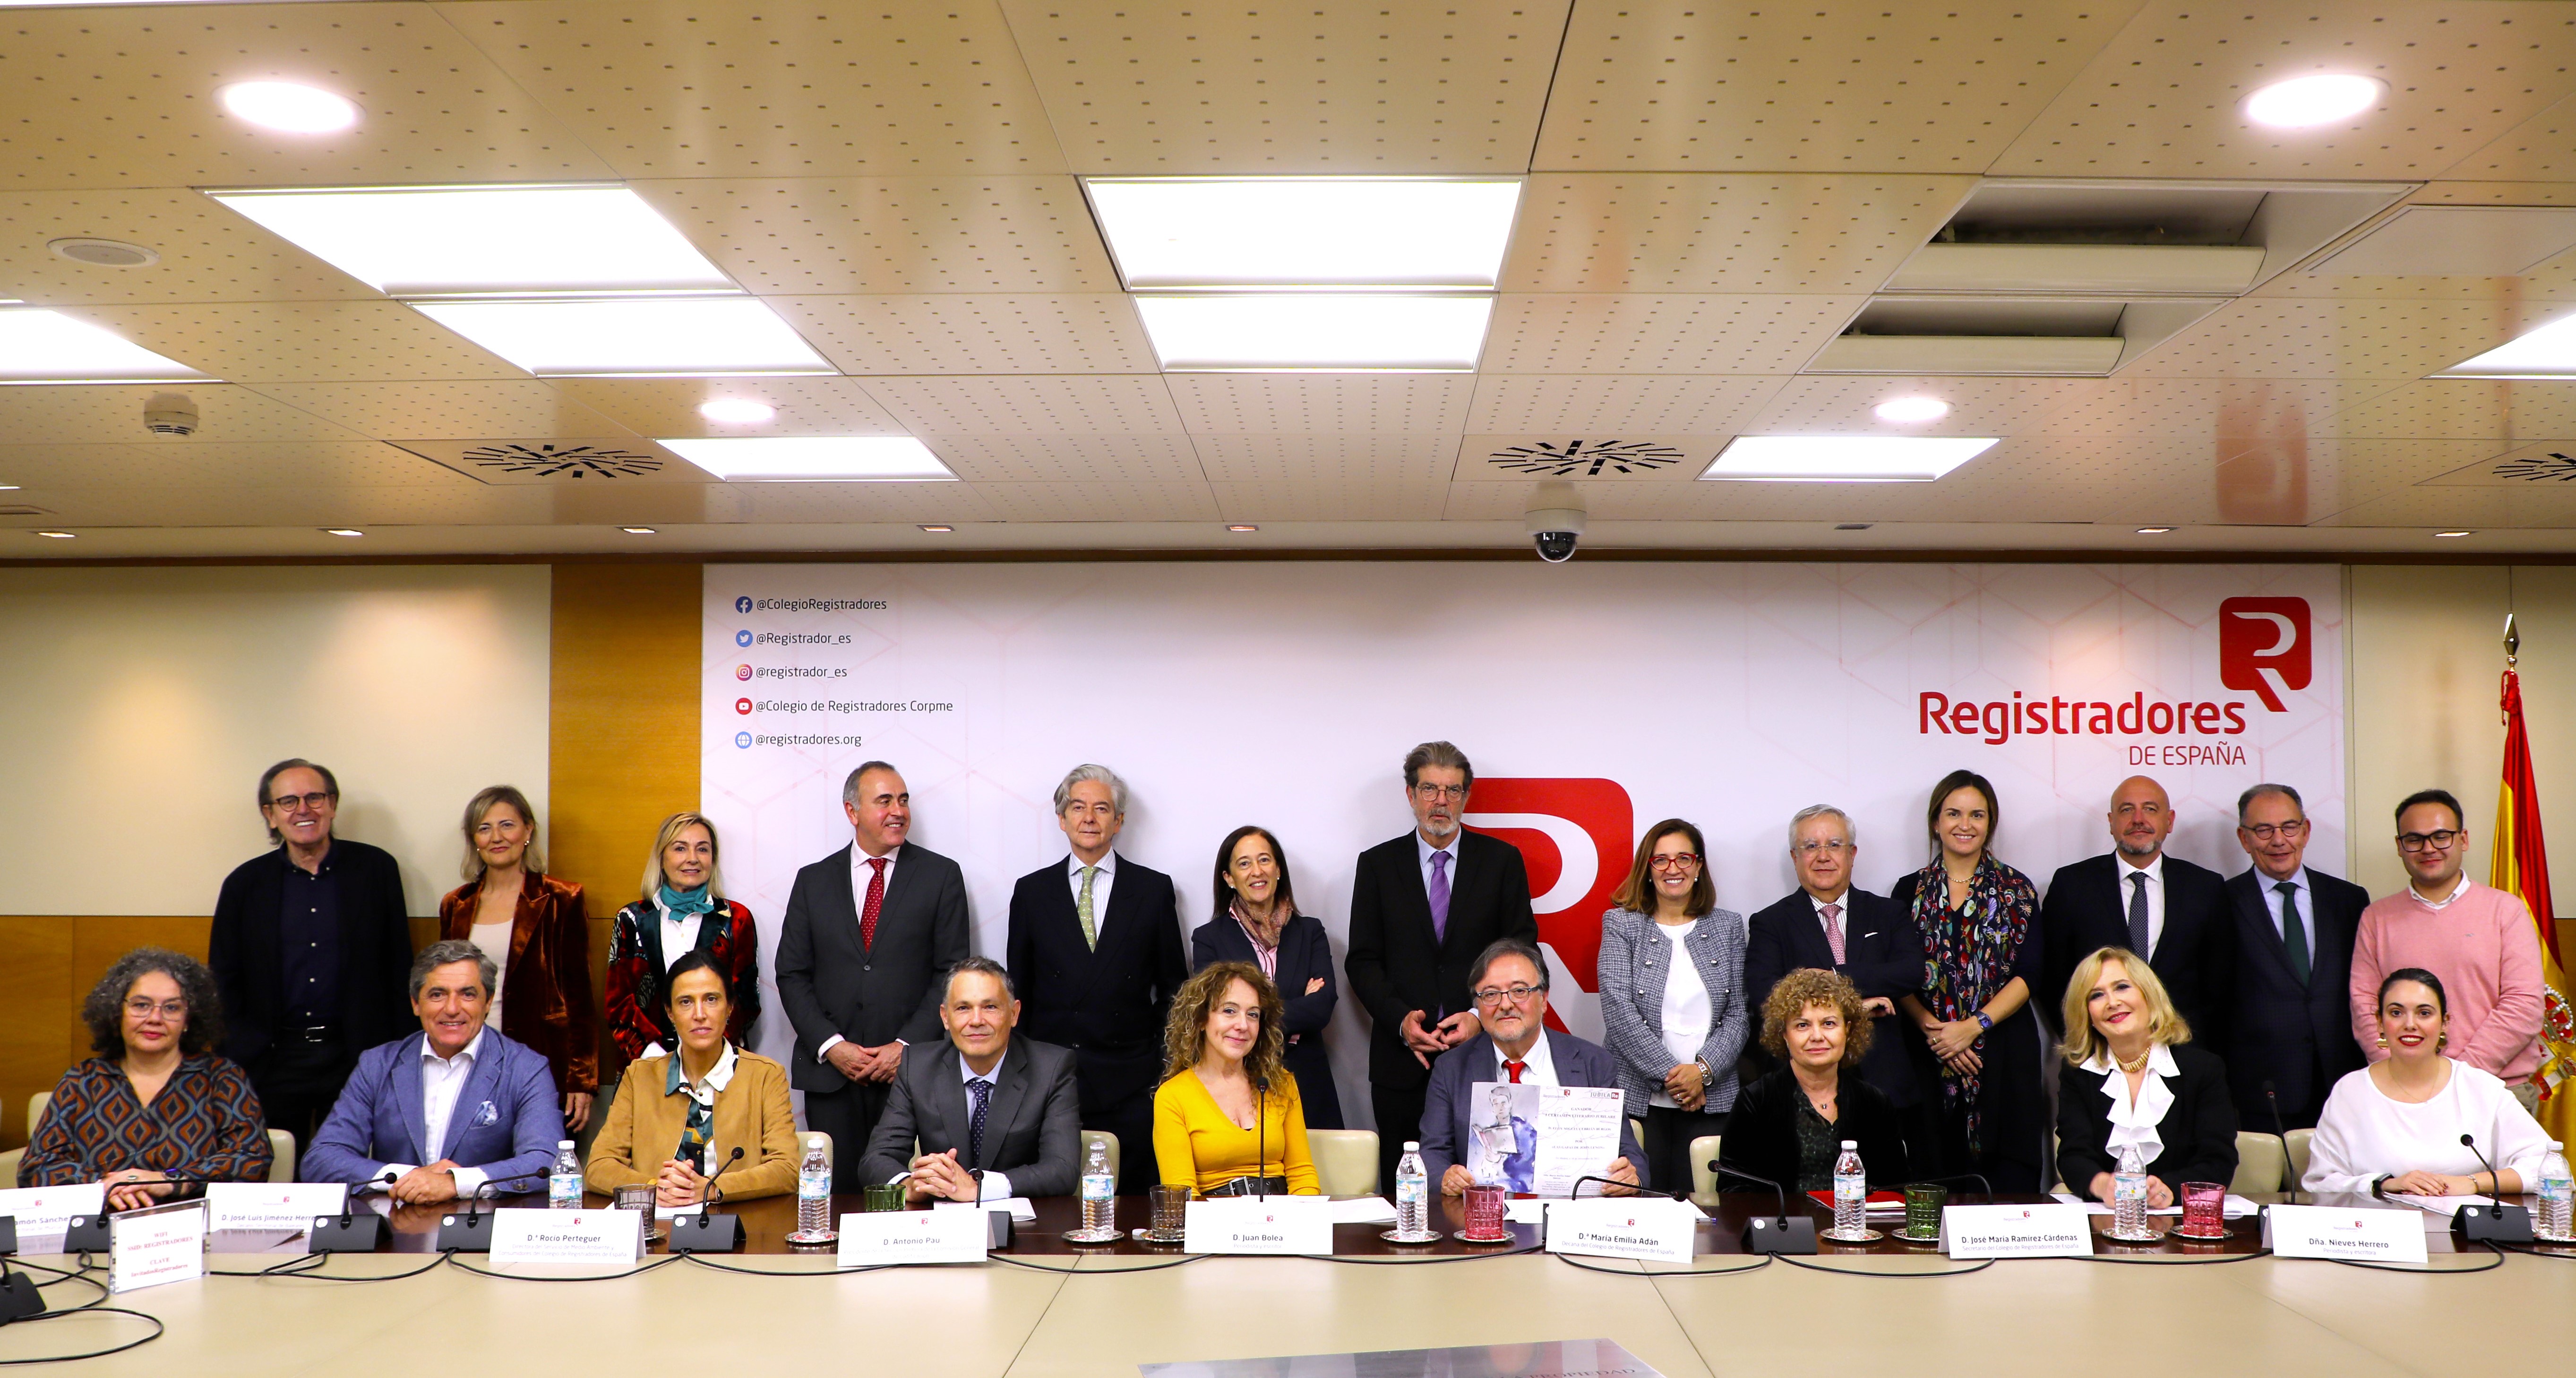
[{"x": 2521, "y": 866}]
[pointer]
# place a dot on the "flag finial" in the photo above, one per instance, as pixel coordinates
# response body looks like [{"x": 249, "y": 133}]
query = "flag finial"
[{"x": 2512, "y": 641}]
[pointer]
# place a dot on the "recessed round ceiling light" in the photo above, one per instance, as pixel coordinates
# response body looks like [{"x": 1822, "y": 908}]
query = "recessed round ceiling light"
[
  {"x": 637, "y": 530},
  {"x": 289, "y": 108},
  {"x": 2304, "y": 102},
  {"x": 736, "y": 411},
  {"x": 2153, "y": 530},
  {"x": 937, "y": 526},
  {"x": 1242, "y": 526},
  {"x": 105, "y": 253},
  {"x": 1905, "y": 409},
  {"x": 55, "y": 535},
  {"x": 2446, "y": 535},
  {"x": 342, "y": 531}
]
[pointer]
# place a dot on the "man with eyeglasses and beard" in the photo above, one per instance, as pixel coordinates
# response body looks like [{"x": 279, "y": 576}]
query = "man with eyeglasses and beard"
[
  {"x": 2478, "y": 939},
  {"x": 2292, "y": 1027},
  {"x": 311, "y": 951},
  {"x": 1513, "y": 1047}
]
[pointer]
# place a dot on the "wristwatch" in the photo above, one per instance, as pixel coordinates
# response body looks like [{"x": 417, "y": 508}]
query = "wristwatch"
[
  {"x": 1985, "y": 1021},
  {"x": 2379, "y": 1184}
]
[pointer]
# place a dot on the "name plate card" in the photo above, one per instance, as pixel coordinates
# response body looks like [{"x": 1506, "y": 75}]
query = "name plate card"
[
  {"x": 49, "y": 1210},
  {"x": 1250, "y": 1225},
  {"x": 149, "y": 1247},
  {"x": 1649, "y": 1228},
  {"x": 932, "y": 1236},
  {"x": 271, "y": 1205},
  {"x": 2045, "y": 1231},
  {"x": 524, "y": 1235},
  {"x": 2353, "y": 1233}
]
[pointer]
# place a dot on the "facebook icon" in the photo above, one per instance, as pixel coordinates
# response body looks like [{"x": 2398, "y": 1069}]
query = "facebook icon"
[{"x": 742, "y": 604}]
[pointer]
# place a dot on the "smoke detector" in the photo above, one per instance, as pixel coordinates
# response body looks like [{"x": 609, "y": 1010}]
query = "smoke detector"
[
  {"x": 170, "y": 413},
  {"x": 105, "y": 253}
]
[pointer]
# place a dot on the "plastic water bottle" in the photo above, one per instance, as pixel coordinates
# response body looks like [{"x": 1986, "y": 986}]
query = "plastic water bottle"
[
  {"x": 814, "y": 1191},
  {"x": 563, "y": 1180},
  {"x": 2129, "y": 1194},
  {"x": 1412, "y": 1193},
  {"x": 2557, "y": 1195},
  {"x": 1851, "y": 1193},
  {"x": 1099, "y": 1191}
]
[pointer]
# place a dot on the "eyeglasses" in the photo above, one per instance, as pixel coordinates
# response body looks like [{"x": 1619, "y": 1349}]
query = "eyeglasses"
[
  {"x": 1809, "y": 848},
  {"x": 2422, "y": 842},
  {"x": 1441, "y": 791},
  {"x": 1674, "y": 861},
  {"x": 170, "y": 1009},
  {"x": 1495, "y": 995},
  {"x": 297, "y": 803},
  {"x": 2265, "y": 832}
]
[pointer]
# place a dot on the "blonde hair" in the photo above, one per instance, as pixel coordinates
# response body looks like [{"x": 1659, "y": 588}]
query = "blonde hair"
[
  {"x": 1185, "y": 1036},
  {"x": 2165, "y": 1024},
  {"x": 671, "y": 826},
  {"x": 531, "y": 861}
]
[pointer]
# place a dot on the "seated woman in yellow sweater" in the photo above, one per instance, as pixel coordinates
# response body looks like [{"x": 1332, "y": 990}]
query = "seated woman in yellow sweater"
[
  {"x": 679, "y": 1118},
  {"x": 1227, "y": 1032}
]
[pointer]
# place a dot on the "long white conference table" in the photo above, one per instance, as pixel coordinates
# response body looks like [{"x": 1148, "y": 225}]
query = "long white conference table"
[{"x": 1052, "y": 1310}]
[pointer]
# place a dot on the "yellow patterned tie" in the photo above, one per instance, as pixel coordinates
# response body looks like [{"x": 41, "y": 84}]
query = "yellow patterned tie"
[{"x": 1082, "y": 907}]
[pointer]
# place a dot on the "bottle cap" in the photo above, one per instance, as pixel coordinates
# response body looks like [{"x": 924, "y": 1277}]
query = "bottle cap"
[
  {"x": 562, "y": 1144},
  {"x": 1851, "y": 1143},
  {"x": 1414, "y": 1146}
]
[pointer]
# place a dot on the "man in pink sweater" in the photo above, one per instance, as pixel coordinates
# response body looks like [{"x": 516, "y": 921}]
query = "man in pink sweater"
[{"x": 2478, "y": 939}]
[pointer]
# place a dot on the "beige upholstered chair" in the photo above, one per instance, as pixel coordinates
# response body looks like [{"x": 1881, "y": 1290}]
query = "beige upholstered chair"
[
  {"x": 2259, "y": 1161},
  {"x": 1345, "y": 1160},
  {"x": 1703, "y": 1151}
]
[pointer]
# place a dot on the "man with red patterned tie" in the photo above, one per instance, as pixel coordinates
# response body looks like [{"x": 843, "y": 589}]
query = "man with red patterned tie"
[{"x": 868, "y": 931}]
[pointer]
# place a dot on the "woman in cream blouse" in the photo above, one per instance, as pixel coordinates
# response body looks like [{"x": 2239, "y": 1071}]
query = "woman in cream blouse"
[{"x": 2396, "y": 1124}]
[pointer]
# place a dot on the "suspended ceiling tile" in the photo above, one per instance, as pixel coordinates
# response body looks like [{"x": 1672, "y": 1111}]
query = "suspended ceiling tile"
[
  {"x": 495, "y": 406},
  {"x": 2163, "y": 98},
  {"x": 304, "y": 507},
  {"x": 106, "y": 414},
  {"x": 1597, "y": 404},
  {"x": 961, "y": 333},
  {"x": 2477, "y": 510},
  {"x": 1068, "y": 458},
  {"x": 2540, "y": 149},
  {"x": 1637, "y": 332},
  {"x": 1684, "y": 84},
  {"x": 125, "y": 96},
  {"x": 301, "y": 342},
  {"x": 843, "y": 235},
  {"x": 1321, "y": 403},
  {"x": 1129, "y": 404},
  {"x": 2215, "y": 409},
  {"x": 850, "y": 502},
  {"x": 1742, "y": 232},
  {"x": 207, "y": 252},
  {"x": 1356, "y": 499},
  {"x": 1978, "y": 406},
  {"x": 217, "y": 464},
  {"x": 669, "y": 406},
  {"x": 2474, "y": 193},
  {"x": 673, "y": 89},
  {"x": 1331, "y": 460},
  {"x": 2499, "y": 409},
  {"x": 2277, "y": 337},
  {"x": 1099, "y": 502},
  {"x": 1319, "y": 86}
]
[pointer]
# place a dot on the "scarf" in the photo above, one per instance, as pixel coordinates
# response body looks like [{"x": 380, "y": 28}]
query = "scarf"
[
  {"x": 1267, "y": 954},
  {"x": 681, "y": 903},
  {"x": 1970, "y": 956}
]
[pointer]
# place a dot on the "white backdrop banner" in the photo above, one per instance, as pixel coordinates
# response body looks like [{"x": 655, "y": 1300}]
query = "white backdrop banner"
[{"x": 1594, "y": 698}]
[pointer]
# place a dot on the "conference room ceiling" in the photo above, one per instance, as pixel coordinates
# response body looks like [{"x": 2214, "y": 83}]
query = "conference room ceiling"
[{"x": 1711, "y": 196}]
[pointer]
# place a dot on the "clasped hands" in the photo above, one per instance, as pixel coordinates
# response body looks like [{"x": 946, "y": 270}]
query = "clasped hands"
[
  {"x": 1428, "y": 1043},
  {"x": 1954, "y": 1041},
  {"x": 939, "y": 1177},
  {"x": 135, "y": 1187},
  {"x": 865, "y": 1064}
]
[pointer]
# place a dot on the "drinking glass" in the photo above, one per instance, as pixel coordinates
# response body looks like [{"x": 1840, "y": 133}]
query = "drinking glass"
[
  {"x": 1485, "y": 1221},
  {"x": 2204, "y": 1209},
  {"x": 884, "y": 1196},
  {"x": 1171, "y": 1214},
  {"x": 1923, "y": 1203}
]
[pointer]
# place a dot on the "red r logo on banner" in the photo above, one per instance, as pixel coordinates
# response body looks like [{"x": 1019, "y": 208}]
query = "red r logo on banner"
[
  {"x": 2263, "y": 647},
  {"x": 1575, "y": 836}
]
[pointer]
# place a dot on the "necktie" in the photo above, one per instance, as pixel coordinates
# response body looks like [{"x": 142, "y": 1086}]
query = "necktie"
[
  {"x": 2294, "y": 935},
  {"x": 1082, "y": 910},
  {"x": 1513, "y": 1069},
  {"x": 2138, "y": 914},
  {"x": 875, "y": 902},
  {"x": 982, "y": 1089},
  {"x": 1833, "y": 930},
  {"x": 1439, "y": 896}
]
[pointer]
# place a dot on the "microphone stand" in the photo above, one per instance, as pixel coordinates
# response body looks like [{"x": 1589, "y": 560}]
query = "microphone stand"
[
  {"x": 997, "y": 1223},
  {"x": 2498, "y": 1223},
  {"x": 702, "y": 1231},
  {"x": 352, "y": 1231},
  {"x": 2280, "y": 1131},
  {"x": 470, "y": 1233},
  {"x": 1261, "y": 1131},
  {"x": 1783, "y": 1234}
]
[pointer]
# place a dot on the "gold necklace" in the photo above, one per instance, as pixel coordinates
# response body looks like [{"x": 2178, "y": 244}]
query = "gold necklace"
[{"x": 2138, "y": 1066}]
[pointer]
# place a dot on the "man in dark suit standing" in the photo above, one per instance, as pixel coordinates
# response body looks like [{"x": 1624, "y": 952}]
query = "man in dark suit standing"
[
  {"x": 867, "y": 933},
  {"x": 2291, "y": 1026},
  {"x": 1870, "y": 939},
  {"x": 1422, "y": 907},
  {"x": 2163, "y": 908},
  {"x": 1002, "y": 1116},
  {"x": 1095, "y": 950}
]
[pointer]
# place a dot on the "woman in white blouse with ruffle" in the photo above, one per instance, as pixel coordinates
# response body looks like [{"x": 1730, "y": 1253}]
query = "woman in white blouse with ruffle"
[{"x": 2396, "y": 1126}]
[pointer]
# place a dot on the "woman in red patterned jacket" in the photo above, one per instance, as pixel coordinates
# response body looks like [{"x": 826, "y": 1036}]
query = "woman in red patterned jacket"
[{"x": 682, "y": 910}]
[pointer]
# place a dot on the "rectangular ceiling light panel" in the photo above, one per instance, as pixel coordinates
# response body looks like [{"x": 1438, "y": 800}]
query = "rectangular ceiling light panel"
[
  {"x": 1843, "y": 458},
  {"x": 39, "y": 346},
  {"x": 632, "y": 336},
  {"x": 1269, "y": 233},
  {"x": 2548, "y": 352},
  {"x": 1353, "y": 333},
  {"x": 880, "y": 458},
  {"x": 485, "y": 241}
]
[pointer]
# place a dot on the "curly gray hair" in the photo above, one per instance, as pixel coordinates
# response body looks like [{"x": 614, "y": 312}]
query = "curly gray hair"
[{"x": 104, "y": 1009}]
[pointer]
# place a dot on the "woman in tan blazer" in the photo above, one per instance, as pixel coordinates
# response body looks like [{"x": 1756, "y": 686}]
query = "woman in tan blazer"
[{"x": 679, "y": 1118}]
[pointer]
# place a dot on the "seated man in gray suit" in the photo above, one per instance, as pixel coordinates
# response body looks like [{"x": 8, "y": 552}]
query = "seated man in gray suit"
[
  {"x": 1004, "y": 1107},
  {"x": 1509, "y": 985}
]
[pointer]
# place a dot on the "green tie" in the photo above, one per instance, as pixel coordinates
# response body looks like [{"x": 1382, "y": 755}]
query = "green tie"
[{"x": 1082, "y": 907}]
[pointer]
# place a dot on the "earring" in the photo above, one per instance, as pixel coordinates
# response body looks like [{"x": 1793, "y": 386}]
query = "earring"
[
  {"x": 2442, "y": 1041},
  {"x": 2383, "y": 1040}
]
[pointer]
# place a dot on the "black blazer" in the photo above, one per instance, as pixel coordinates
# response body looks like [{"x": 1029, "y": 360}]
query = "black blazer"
[
  {"x": 1762, "y": 1132},
  {"x": 1108, "y": 1004},
  {"x": 243, "y": 950},
  {"x": 829, "y": 984},
  {"x": 1305, "y": 953},
  {"x": 2199, "y": 1128},
  {"x": 1032, "y": 1130},
  {"x": 2297, "y": 1037},
  {"x": 2195, "y": 955},
  {"x": 1884, "y": 956},
  {"x": 1396, "y": 964}
]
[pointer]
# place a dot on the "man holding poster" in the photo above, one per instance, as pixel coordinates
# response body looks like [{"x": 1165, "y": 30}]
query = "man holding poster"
[{"x": 1518, "y": 1105}]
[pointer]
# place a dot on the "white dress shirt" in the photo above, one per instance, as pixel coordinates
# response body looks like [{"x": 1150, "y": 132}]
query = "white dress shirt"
[
  {"x": 1424, "y": 850},
  {"x": 2444, "y": 902},
  {"x": 1537, "y": 1069},
  {"x": 679, "y": 938},
  {"x": 996, "y": 1184},
  {"x": 2154, "y": 871},
  {"x": 442, "y": 1079},
  {"x": 2364, "y": 1133},
  {"x": 1686, "y": 1012},
  {"x": 2135, "y": 1121},
  {"x": 1104, "y": 876},
  {"x": 2307, "y": 905},
  {"x": 1840, "y": 922},
  {"x": 860, "y": 874}
]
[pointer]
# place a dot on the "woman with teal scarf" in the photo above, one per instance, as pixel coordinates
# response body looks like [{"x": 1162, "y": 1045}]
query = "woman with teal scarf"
[{"x": 682, "y": 910}]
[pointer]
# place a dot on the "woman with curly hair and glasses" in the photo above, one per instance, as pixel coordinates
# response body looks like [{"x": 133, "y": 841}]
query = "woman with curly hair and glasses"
[
  {"x": 155, "y": 1105},
  {"x": 1227, "y": 1111}
]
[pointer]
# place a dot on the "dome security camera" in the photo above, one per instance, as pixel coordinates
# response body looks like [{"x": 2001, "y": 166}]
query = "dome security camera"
[
  {"x": 1554, "y": 520},
  {"x": 170, "y": 413}
]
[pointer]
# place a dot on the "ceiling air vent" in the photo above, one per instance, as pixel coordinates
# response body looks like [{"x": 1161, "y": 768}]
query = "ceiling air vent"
[
  {"x": 2546, "y": 461},
  {"x": 553, "y": 461},
  {"x": 1596, "y": 458},
  {"x": 20, "y": 509}
]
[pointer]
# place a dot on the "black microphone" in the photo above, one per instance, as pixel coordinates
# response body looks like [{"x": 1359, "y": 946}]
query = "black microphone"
[
  {"x": 1575, "y": 1192},
  {"x": 714, "y": 1193},
  {"x": 703, "y": 1231},
  {"x": 1784, "y": 1234},
  {"x": 352, "y": 1231},
  {"x": 2289, "y": 1169},
  {"x": 2499, "y": 1223},
  {"x": 1261, "y": 1130},
  {"x": 469, "y": 1233}
]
